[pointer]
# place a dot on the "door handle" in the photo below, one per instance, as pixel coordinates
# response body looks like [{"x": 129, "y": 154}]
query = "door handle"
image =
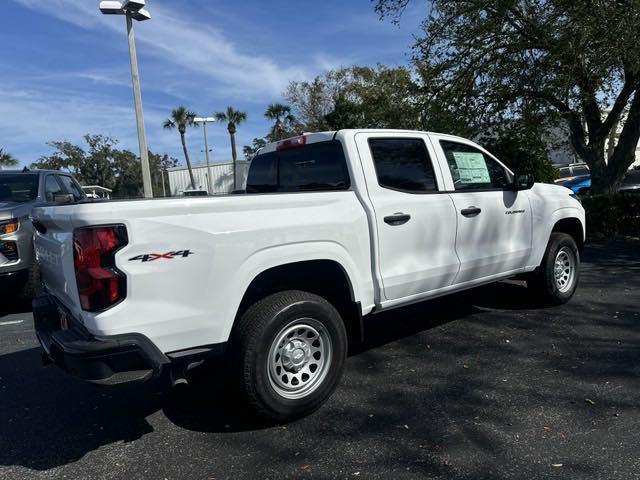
[
  {"x": 471, "y": 211},
  {"x": 397, "y": 219}
]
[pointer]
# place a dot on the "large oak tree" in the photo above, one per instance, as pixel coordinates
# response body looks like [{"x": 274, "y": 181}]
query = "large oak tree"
[{"x": 573, "y": 62}]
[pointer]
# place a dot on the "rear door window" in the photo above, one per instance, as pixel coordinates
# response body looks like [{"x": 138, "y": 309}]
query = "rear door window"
[
  {"x": 315, "y": 167},
  {"x": 403, "y": 164}
]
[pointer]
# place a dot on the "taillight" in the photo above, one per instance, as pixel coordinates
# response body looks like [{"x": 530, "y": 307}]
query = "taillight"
[
  {"x": 100, "y": 284},
  {"x": 291, "y": 143}
]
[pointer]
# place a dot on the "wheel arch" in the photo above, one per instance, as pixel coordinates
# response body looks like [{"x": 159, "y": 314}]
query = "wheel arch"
[
  {"x": 323, "y": 277},
  {"x": 570, "y": 220},
  {"x": 571, "y": 226},
  {"x": 330, "y": 274}
]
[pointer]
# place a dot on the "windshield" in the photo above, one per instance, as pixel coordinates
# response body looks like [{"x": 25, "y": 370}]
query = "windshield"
[{"x": 19, "y": 187}]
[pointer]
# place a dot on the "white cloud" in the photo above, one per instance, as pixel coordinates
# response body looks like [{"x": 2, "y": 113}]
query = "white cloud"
[
  {"x": 30, "y": 117},
  {"x": 195, "y": 47}
]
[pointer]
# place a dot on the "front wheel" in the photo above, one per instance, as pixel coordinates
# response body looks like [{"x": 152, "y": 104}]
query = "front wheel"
[
  {"x": 289, "y": 351},
  {"x": 555, "y": 281}
]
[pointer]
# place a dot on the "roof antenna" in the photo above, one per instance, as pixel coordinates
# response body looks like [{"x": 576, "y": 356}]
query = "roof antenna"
[{"x": 25, "y": 170}]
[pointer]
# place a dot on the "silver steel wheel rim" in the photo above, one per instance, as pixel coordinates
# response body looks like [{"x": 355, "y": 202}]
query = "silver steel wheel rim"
[
  {"x": 564, "y": 269},
  {"x": 299, "y": 358}
]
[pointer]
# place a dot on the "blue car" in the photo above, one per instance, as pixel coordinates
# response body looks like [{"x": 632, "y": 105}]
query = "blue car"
[{"x": 577, "y": 183}]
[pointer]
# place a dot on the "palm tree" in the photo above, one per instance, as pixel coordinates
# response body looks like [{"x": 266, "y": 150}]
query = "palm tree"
[
  {"x": 182, "y": 118},
  {"x": 6, "y": 159},
  {"x": 282, "y": 116},
  {"x": 233, "y": 119}
]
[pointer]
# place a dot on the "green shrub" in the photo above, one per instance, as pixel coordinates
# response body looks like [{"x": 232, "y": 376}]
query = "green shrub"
[{"x": 612, "y": 215}]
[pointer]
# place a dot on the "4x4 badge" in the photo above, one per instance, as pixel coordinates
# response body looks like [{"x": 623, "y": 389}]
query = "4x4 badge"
[{"x": 150, "y": 257}]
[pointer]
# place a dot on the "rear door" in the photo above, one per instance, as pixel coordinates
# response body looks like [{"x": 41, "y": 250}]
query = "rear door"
[
  {"x": 415, "y": 222},
  {"x": 494, "y": 221}
]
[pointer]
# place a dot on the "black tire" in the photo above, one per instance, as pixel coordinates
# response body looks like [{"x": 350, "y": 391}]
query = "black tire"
[
  {"x": 543, "y": 281},
  {"x": 261, "y": 328},
  {"x": 29, "y": 285}
]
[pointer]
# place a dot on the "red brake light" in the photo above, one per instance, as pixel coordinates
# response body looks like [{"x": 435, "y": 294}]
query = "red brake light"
[
  {"x": 291, "y": 143},
  {"x": 100, "y": 284}
]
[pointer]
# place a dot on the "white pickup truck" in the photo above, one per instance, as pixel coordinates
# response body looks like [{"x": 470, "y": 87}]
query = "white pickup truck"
[{"x": 332, "y": 227}]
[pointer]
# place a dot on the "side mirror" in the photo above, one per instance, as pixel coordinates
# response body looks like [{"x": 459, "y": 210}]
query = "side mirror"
[
  {"x": 523, "y": 181},
  {"x": 64, "y": 198}
]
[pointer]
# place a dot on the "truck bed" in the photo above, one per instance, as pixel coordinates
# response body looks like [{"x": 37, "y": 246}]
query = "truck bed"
[{"x": 229, "y": 240}]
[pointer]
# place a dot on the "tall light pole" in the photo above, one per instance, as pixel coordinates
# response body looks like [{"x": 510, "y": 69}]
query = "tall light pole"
[
  {"x": 134, "y": 10},
  {"x": 204, "y": 121}
]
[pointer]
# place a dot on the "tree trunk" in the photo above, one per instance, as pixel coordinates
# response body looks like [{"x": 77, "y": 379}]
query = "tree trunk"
[
  {"x": 607, "y": 172},
  {"x": 234, "y": 156},
  {"x": 624, "y": 153},
  {"x": 611, "y": 145},
  {"x": 186, "y": 157}
]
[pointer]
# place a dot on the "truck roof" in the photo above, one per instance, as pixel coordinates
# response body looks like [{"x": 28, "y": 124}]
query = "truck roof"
[
  {"x": 314, "y": 137},
  {"x": 13, "y": 172}
]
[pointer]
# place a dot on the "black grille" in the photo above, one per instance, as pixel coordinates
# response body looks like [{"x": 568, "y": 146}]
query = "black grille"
[{"x": 9, "y": 250}]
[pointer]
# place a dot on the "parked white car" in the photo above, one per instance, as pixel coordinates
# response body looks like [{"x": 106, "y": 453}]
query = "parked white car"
[{"x": 334, "y": 227}]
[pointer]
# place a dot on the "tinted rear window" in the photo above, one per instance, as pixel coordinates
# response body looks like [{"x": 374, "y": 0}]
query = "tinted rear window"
[{"x": 315, "y": 167}]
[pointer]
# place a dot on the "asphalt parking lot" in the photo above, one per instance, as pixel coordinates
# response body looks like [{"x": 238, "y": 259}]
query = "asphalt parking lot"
[{"x": 479, "y": 385}]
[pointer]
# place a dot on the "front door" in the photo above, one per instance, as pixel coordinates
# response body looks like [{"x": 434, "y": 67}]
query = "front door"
[{"x": 494, "y": 221}]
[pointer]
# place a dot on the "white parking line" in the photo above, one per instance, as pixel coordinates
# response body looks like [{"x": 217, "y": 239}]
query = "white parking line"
[{"x": 15, "y": 322}]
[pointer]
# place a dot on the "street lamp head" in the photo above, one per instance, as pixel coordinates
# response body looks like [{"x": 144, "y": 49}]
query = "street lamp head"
[
  {"x": 140, "y": 15},
  {"x": 112, "y": 7},
  {"x": 133, "y": 8},
  {"x": 133, "y": 5}
]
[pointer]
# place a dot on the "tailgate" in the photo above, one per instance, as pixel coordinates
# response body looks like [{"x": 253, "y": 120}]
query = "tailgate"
[{"x": 54, "y": 251}]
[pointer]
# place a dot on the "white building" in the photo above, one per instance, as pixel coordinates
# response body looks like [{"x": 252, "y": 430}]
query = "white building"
[{"x": 221, "y": 177}]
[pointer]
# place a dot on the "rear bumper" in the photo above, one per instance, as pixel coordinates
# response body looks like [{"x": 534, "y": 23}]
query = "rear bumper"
[{"x": 103, "y": 360}]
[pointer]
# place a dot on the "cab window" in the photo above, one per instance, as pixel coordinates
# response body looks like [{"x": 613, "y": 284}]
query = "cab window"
[
  {"x": 403, "y": 164},
  {"x": 51, "y": 188},
  {"x": 71, "y": 187},
  {"x": 472, "y": 169}
]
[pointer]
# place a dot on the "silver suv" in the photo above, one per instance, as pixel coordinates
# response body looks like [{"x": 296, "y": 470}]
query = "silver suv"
[{"x": 20, "y": 192}]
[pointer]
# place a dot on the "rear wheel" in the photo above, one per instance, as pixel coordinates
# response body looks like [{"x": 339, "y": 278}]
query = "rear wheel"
[
  {"x": 289, "y": 353},
  {"x": 556, "y": 279}
]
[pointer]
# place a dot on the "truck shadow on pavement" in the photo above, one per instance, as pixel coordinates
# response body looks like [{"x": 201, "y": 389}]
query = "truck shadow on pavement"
[
  {"x": 8, "y": 307},
  {"x": 49, "y": 419},
  {"x": 466, "y": 383},
  {"x": 202, "y": 407}
]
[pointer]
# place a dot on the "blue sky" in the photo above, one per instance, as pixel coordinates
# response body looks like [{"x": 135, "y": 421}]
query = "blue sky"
[{"x": 65, "y": 67}]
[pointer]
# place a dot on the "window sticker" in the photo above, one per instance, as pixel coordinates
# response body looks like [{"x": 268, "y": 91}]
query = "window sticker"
[{"x": 471, "y": 167}]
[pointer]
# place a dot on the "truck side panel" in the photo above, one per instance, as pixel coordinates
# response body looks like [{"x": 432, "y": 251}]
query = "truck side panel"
[{"x": 189, "y": 261}]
